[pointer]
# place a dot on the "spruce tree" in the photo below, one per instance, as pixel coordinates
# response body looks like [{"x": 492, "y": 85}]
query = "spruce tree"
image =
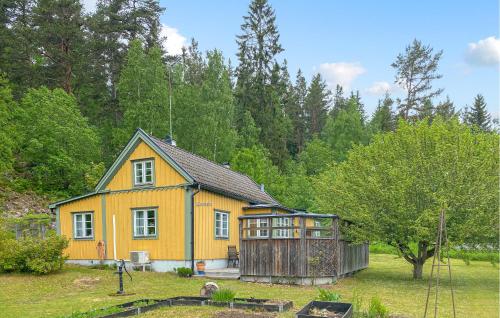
[
  {"x": 339, "y": 101},
  {"x": 446, "y": 109},
  {"x": 258, "y": 46},
  {"x": 478, "y": 115},
  {"x": 316, "y": 106},
  {"x": 383, "y": 119},
  {"x": 295, "y": 112}
]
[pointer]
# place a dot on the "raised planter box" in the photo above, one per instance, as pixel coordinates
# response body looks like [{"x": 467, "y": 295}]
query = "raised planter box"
[
  {"x": 144, "y": 305},
  {"x": 321, "y": 309}
]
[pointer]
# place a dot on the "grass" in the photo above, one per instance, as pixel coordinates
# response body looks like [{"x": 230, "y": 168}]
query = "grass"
[{"x": 388, "y": 278}]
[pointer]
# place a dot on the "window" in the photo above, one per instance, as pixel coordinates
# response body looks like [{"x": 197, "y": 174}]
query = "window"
[
  {"x": 221, "y": 224},
  {"x": 255, "y": 224},
  {"x": 83, "y": 227},
  {"x": 145, "y": 222},
  {"x": 317, "y": 233},
  {"x": 281, "y": 222},
  {"x": 143, "y": 172}
]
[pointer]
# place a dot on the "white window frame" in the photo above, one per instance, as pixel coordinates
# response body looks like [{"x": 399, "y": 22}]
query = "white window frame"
[
  {"x": 221, "y": 224},
  {"x": 144, "y": 226},
  {"x": 140, "y": 179},
  {"x": 84, "y": 224},
  {"x": 259, "y": 222},
  {"x": 317, "y": 233},
  {"x": 279, "y": 222}
]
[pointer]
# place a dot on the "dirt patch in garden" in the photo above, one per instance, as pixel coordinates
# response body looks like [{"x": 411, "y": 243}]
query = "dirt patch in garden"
[
  {"x": 242, "y": 314},
  {"x": 86, "y": 282}
]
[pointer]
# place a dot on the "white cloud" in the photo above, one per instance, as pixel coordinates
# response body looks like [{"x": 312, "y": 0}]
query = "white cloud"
[
  {"x": 174, "y": 41},
  {"x": 485, "y": 52},
  {"x": 380, "y": 88},
  {"x": 342, "y": 73},
  {"x": 89, "y": 5}
]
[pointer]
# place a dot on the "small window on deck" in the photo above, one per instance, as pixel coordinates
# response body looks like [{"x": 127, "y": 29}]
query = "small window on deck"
[
  {"x": 255, "y": 224},
  {"x": 143, "y": 172},
  {"x": 282, "y": 222}
]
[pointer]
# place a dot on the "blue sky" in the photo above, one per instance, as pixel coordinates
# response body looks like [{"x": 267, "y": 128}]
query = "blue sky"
[{"x": 354, "y": 42}]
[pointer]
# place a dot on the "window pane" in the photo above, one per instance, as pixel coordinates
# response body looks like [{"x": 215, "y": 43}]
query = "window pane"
[
  {"x": 151, "y": 214},
  {"x": 88, "y": 232},
  {"x": 78, "y": 217},
  {"x": 88, "y": 217},
  {"x": 79, "y": 232},
  {"x": 151, "y": 230}
]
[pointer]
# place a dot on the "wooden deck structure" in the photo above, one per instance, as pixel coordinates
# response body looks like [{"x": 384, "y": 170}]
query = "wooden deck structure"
[{"x": 299, "y": 248}]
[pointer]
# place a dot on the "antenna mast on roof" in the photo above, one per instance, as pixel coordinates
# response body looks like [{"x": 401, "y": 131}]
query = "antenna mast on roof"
[{"x": 170, "y": 98}]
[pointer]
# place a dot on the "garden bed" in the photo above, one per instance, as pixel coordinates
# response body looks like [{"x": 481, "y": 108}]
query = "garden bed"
[
  {"x": 325, "y": 309},
  {"x": 144, "y": 305}
]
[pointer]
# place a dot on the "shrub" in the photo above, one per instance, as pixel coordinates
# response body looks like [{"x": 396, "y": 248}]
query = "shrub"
[
  {"x": 377, "y": 309},
  {"x": 224, "y": 295},
  {"x": 32, "y": 255},
  {"x": 184, "y": 272},
  {"x": 328, "y": 295}
]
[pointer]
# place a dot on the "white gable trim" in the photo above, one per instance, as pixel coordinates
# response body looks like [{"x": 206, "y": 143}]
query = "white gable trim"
[{"x": 139, "y": 136}]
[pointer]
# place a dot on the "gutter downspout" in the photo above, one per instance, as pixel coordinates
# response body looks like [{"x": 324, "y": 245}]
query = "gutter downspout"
[{"x": 192, "y": 223}]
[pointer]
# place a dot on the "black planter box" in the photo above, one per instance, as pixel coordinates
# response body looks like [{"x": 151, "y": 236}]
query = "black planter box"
[
  {"x": 342, "y": 308},
  {"x": 189, "y": 301},
  {"x": 253, "y": 303},
  {"x": 138, "y": 310}
]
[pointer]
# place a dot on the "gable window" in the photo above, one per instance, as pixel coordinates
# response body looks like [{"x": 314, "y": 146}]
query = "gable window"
[
  {"x": 221, "y": 224},
  {"x": 281, "y": 222},
  {"x": 143, "y": 172},
  {"x": 255, "y": 224},
  {"x": 145, "y": 222},
  {"x": 83, "y": 225}
]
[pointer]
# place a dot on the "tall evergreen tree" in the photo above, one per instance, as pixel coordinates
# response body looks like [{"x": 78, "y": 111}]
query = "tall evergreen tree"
[
  {"x": 478, "y": 115},
  {"x": 295, "y": 111},
  {"x": 416, "y": 69},
  {"x": 316, "y": 105},
  {"x": 59, "y": 38},
  {"x": 383, "y": 119},
  {"x": 446, "y": 109},
  {"x": 258, "y": 47},
  {"x": 339, "y": 101}
]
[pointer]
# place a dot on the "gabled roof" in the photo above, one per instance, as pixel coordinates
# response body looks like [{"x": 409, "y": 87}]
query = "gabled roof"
[
  {"x": 195, "y": 169},
  {"x": 215, "y": 177}
]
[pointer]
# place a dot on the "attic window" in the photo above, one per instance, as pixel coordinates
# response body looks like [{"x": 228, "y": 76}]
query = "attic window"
[{"x": 143, "y": 172}]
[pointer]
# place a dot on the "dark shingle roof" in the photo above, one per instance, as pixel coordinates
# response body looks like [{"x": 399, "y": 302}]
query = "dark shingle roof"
[{"x": 215, "y": 177}]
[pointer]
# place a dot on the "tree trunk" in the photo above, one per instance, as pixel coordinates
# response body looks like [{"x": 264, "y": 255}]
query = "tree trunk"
[{"x": 417, "y": 270}]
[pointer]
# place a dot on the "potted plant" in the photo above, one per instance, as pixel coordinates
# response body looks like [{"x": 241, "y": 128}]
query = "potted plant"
[{"x": 200, "y": 267}]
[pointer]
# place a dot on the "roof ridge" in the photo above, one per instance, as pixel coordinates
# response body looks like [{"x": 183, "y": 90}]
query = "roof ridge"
[{"x": 203, "y": 158}]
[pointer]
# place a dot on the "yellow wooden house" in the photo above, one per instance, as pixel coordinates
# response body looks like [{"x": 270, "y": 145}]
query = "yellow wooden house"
[{"x": 159, "y": 198}]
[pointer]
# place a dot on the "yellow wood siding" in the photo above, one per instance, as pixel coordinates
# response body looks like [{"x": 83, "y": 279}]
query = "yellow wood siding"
[
  {"x": 169, "y": 244},
  {"x": 165, "y": 175},
  {"x": 206, "y": 246},
  {"x": 81, "y": 249}
]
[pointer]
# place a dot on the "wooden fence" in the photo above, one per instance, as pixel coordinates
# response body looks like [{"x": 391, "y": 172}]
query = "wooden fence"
[{"x": 352, "y": 257}]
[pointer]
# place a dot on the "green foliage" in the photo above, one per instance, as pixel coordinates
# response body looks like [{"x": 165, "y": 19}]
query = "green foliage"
[
  {"x": 184, "y": 272},
  {"x": 316, "y": 157},
  {"x": 316, "y": 105},
  {"x": 478, "y": 116},
  {"x": 383, "y": 119},
  {"x": 393, "y": 189},
  {"x": 32, "y": 255},
  {"x": 376, "y": 309},
  {"x": 95, "y": 313},
  {"x": 328, "y": 295},
  {"x": 223, "y": 295},
  {"x": 345, "y": 130},
  {"x": 8, "y": 107},
  {"x": 58, "y": 148}
]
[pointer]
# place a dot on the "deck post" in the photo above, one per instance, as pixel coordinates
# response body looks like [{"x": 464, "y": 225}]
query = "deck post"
[
  {"x": 240, "y": 264},
  {"x": 303, "y": 253}
]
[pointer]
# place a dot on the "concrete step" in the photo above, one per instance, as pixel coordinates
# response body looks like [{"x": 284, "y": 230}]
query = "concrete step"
[{"x": 223, "y": 273}]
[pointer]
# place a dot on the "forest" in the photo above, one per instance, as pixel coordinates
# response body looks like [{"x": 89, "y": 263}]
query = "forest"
[{"x": 74, "y": 86}]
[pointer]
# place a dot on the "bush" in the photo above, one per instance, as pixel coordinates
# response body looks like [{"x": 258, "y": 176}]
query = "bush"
[
  {"x": 377, "y": 309},
  {"x": 184, "y": 272},
  {"x": 32, "y": 255},
  {"x": 224, "y": 295},
  {"x": 328, "y": 295}
]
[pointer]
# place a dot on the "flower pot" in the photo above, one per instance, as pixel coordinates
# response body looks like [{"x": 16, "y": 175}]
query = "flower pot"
[{"x": 200, "y": 268}]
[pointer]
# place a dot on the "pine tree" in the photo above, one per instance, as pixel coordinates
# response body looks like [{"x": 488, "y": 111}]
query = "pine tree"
[
  {"x": 478, "y": 115},
  {"x": 339, "y": 101},
  {"x": 416, "y": 69},
  {"x": 59, "y": 37},
  {"x": 383, "y": 119},
  {"x": 316, "y": 105}
]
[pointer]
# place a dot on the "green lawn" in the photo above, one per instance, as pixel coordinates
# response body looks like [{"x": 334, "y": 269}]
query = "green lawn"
[{"x": 388, "y": 277}]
